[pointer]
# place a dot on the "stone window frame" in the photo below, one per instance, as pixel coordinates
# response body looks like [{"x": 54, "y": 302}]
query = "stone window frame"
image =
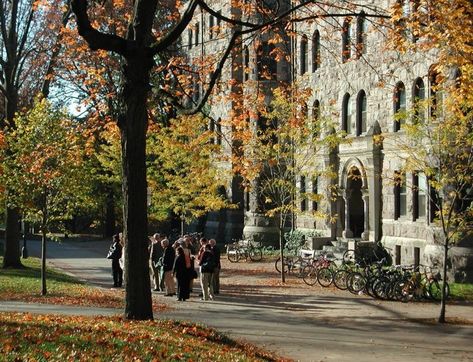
[
  {"x": 197, "y": 33},
  {"x": 211, "y": 26},
  {"x": 190, "y": 38},
  {"x": 400, "y": 195},
  {"x": 315, "y": 191},
  {"x": 303, "y": 55},
  {"x": 399, "y": 105},
  {"x": 418, "y": 98},
  {"x": 346, "y": 114},
  {"x": 419, "y": 194},
  {"x": 302, "y": 191},
  {"x": 316, "y": 113},
  {"x": 316, "y": 60},
  {"x": 361, "y": 35},
  {"x": 361, "y": 113},
  {"x": 346, "y": 39}
]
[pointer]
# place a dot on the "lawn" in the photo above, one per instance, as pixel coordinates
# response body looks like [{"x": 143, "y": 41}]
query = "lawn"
[
  {"x": 25, "y": 285},
  {"x": 26, "y": 337},
  {"x": 29, "y": 337}
]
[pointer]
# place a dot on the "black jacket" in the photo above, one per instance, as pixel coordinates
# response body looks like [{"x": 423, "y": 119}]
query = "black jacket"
[
  {"x": 168, "y": 259},
  {"x": 115, "y": 251}
]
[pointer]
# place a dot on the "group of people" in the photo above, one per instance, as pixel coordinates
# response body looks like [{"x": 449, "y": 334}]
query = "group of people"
[
  {"x": 173, "y": 267},
  {"x": 179, "y": 262}
]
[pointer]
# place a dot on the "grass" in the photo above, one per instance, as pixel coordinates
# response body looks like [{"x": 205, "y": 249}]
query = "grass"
[
  {"x": 25, "y": 285},
  {"x": 26, "y": 337},
  {"x": 461, "y": 291}
]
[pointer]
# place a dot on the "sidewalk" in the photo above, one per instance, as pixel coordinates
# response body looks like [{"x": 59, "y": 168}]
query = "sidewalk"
[{"x": 295, "y": 320}]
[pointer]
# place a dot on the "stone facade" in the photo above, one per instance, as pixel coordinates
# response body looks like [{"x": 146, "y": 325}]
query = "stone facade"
[{"x": 356, "y": 83}]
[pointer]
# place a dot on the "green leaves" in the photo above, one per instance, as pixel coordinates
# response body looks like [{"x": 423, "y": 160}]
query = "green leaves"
[
  {"x": 183, "y": 170},
  {"x": 43, "y": 165}
]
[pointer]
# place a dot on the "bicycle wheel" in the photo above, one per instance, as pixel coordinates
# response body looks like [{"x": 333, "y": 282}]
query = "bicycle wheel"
[
  {"x": 340, "y": 279},
  {"x": 356, "y": 283},
  {"x": 255, "y": 254},
  {"x": 277, "y": 265},
  {"x": 380, "y": 288},
  {"x": 349, "y": 257},
  {"x": 435, "y": 290},
  {"x": 233, "y": 255},
  {"x": 325, "y": 277},
  {"x": 309, "y": 275}
]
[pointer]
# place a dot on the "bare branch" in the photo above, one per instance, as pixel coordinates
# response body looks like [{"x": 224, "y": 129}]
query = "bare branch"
[
  {"x": 3, "y": 27},
  {"x": 24, "y": 37},
  {"x": 218, "y": 15},
  {"x": 94, "y": 38},
  {"x": 165, "y": 42}
]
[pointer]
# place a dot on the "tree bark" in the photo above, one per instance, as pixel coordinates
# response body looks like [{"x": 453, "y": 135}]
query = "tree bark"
[
  {"x": 12, "y": 218},
  {"x": 43, "y": 262},
  {"x": 109, "y": 222},
  {"x": 444, "y": 280},
  {"x": 133, "y": 127},
  {"x": 281, "y": 248}
]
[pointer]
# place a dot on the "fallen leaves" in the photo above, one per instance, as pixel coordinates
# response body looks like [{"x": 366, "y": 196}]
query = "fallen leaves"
[{"x": 59, "y": 338}]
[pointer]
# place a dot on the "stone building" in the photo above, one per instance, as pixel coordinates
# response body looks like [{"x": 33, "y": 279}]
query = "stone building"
[{"x": 361, "y": 86}]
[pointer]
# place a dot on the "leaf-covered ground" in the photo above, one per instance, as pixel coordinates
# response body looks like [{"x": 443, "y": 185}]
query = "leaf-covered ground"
[
  {"x": 25, "y": 285},
  {"x": 26, "y": 337}
]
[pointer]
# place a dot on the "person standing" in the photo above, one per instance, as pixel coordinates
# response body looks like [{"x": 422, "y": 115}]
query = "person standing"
[
  {"x": 168, "y": 265},
  {"x": 217, "y": 266},
  {"x": 155, "y": 261},
  {"x": 115, "y": 254},
  {"x": 206, "y": 269},
  {"x": 181, "y": 272}
]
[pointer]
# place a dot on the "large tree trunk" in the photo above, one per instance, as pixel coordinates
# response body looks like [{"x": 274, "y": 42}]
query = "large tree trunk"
[
  {"x": 12, "y": 218},
  {"x": 109, "y": 222},
  {"x": 133, "y": 128}
]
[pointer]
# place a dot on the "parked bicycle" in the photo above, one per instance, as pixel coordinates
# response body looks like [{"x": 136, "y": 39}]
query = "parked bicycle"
[{"x": 244, "y": 250}]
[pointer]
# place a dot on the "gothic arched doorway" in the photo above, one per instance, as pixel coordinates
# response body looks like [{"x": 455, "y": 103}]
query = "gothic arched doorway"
[{"x": 355, "y": 206}]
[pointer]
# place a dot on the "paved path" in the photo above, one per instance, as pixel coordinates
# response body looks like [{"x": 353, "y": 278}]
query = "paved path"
[{"x": 301, "y": 324}]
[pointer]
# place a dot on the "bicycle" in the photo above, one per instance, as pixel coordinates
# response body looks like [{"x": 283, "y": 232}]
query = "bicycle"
[
  {"x": 238, "y": 251},
  {"x": 310, "y": 271}
]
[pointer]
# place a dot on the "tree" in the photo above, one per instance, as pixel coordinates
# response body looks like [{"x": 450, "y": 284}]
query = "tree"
[
  {"x": 284, "y": 148},
  {"x": 439, "y": 142},
  {"x": 44, "y": 168},
  {"x": 184, "y": 176},
  {"x": 28, "y": 33},
  {"x": 140, "y": 51}
]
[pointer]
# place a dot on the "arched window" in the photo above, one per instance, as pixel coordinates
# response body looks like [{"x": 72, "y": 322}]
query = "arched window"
[
  {"x": 346, "y": 40},
  {"x": 303, "y": 55},
  {"x": 399, "y": 106},
  {"x": 346, "y": 114},
  {"x": 246, "y": 63},
  {"x": 361, "y": 35},
  {"x": 418, "y": 99},
  {"x": 361, "y": 113},
  {"x": 435, "y": 94},
  {"x": 197, "y": 33},
  {"x": 189, "y": 38},
  {"x": 316, "y": 119},
  {"x": 211, "y": 26},
  {"x": 315, "y": 51}
]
